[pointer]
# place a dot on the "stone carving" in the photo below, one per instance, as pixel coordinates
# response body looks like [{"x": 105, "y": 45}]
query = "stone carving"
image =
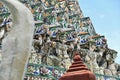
[
  {"x": 37, "y": 42},
  {"x": 108, "y": 73},
  {"x": 17, "y": 44},
  {"x": 112, "y": 67}
]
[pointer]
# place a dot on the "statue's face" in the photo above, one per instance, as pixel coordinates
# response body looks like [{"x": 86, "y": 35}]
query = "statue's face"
[
  {"x": 114, "y": 55},
  {"x": 108, "y": 57},
  {"x": 43, "y": 1},
  {"x": 53, "y": 2},
  {"x": 72, "y": 7},
  {"x": 92, "y": 48},
  {"x": 62, "y": 4}
]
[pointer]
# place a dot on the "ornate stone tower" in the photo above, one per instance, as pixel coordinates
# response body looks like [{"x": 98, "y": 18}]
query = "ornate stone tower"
[{"x": 61, "y": 29}]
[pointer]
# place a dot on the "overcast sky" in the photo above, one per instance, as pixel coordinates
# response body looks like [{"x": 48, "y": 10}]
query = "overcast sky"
[{"x": 105, "y": 16}]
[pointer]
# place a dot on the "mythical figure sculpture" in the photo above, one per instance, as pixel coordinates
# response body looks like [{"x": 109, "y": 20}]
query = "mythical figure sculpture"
[{"x": 17, "y": 44}]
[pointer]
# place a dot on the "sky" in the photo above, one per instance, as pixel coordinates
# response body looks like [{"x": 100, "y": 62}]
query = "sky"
[{"x": 105, "y": 16}]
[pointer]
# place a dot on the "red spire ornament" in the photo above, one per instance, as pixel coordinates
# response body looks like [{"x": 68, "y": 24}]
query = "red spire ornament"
[{"x": 78, "y": 71}]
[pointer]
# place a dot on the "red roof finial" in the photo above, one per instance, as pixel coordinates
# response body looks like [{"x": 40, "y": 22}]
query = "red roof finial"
[
  {"x": 78, "y": 70},
  {"x": 76, "y": 57}
]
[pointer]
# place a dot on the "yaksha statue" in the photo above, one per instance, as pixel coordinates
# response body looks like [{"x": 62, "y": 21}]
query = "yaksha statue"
[{"x": 17, "y": 44}]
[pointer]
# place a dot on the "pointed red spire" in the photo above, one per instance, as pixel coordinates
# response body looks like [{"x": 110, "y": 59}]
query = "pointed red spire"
[
  {"x": 78, "y": 71},
  {"x": 76, "y": 57}
]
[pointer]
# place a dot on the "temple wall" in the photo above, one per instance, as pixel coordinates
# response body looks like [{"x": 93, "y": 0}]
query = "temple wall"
[{"x": 61, "y": 29}]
